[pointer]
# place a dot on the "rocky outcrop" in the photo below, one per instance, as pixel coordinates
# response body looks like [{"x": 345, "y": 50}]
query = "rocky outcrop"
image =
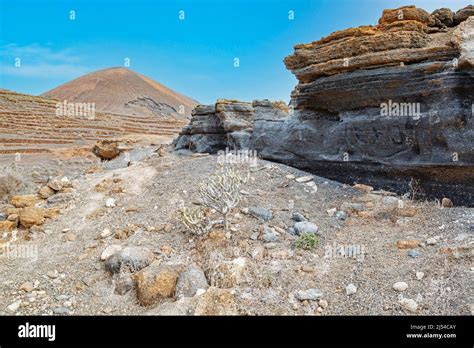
[
  {"x": 227, "y": 124},
  {"x": 380, "y": 105}
]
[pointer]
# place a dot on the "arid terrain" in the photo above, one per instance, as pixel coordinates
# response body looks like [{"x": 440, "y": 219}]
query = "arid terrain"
[
  {"x": 386, "y": 240},
  {"x": 29, "y": 125},
  {"x": 139, "y": 209}
]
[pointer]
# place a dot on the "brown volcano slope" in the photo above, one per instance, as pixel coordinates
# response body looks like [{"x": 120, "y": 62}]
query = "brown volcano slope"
[
  {"x": 122, "y": 91},
  {"x": 29, "y": 124}
]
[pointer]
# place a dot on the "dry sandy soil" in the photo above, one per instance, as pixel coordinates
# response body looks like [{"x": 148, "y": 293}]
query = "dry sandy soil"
[{"x": 69, "y": 277}]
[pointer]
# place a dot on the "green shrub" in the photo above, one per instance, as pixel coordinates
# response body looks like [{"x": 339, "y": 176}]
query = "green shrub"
[{"x": 307, "y": 241}]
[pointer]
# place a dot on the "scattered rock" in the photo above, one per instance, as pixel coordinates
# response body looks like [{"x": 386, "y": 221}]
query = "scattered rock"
[
  {"x": 45, "y": 192},
  {"x": 190, "y": 281},
  {"x": 51, "y": 213},
  {"x": 400, "y": 286},
  {"x": 323, "y": 304},
  {"x": 167, "y": 227},
  {"x": 216, "y": 302},
  {"x": 406, "y": 212},
  {"x": 305, "y": 226},
  {"x": 304, "y": 179},
  {"x": 413, "y": 253},
  {"x": 331, "y": 211},
  {"x": 166, "y": 250},
  {"x": 106, "y": 233},
  {"x": 110, "y": 203},
  {"x": 269, "y": 235},
  {"x": 60, "y": 198},
  {"x": 109, "y": 251},
  {"x": 261, "y": 213},
  {"x": 298, "y": 217},
  {"x": 309, "y": 295},
  {"x": 419, "y": 275},
  {"x": 7, "y": 225},
  {"x": 53, "y": 274},
  {"x": 61, "y": 310},
  {"x": 69, "y": 236},
  {"x": 31, "y": 216},
  {"x": 409, "y": 304},
  {"x": 27, "y": 287},
  {"x": 106, "y": 149},
  {"x": 135, "y": 258},
  {"x": 431, "y": 241},
  {"x": 352, "y": 207},
  {"x": 351, "y": 289},
  {"x": 124, "y": 285},
  {"x": 446, "y": 203},
  {"x": 24, "y": 201},
  {"x": 407, "y": 244},
  {"x": 364, "y": 188},
  {"x": 309, "y": 269},
  {"x": 258, "y": 253},
  {"x": 340, "y": 215},
  {"x": 227, "y": 274},
  {"x": 15, "y": 306},
  {"x": 390, "y": 200},
  {"x": 57, "y": 184},
  {"x": 156, "y": 281}
]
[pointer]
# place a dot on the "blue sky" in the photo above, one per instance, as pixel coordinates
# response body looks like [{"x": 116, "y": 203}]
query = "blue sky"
[{"x": 194, "y": 56}]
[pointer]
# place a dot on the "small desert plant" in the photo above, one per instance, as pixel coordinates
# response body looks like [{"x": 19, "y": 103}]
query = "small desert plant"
[
  {"x": 9, "y": 185},
  {"x": 222, "y": 191},
  {"x": 415, "y": 190},
  {"x": 307, "y": 241},
  {"x": 195, "y": 220}
]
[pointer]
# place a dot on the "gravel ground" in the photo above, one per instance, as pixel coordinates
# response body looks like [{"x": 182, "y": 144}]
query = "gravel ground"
[{"x": 68, "y": 276}]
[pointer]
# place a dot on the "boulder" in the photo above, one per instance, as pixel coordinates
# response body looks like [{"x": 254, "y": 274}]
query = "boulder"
[
  {"x": 155, "y": 282},
  {"x": 227, "y": 274},
  {"x": 135, "y": 258},
  {"x": 305, "y": 227},
  {"x": 24, "y": 201},
  {"x": 45, "y": 192},
  {"x": 8, "y": 225},
  {"x": 106, "y": 149},
  {"x": 190, "y": 281},
  {"x": 216, "y": 301},
  {"x": 443, "y": 17},
  {"x": 31, "y": 216},
  {"x": 463, "y": 14}
]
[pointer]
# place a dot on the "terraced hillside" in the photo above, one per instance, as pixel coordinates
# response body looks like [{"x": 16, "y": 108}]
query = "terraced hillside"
[
  {"x": 125, "y": 92},
  {"x": 29, "y": 124}
]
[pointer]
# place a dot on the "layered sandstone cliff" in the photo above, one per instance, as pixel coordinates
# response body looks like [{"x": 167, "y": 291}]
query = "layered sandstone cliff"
[{"x": 380, "y": 104}]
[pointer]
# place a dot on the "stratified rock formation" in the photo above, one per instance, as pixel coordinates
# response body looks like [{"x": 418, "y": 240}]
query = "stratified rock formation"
[
  {"x": 377, "y": 104},
  {"x": 228, "y": 124}
]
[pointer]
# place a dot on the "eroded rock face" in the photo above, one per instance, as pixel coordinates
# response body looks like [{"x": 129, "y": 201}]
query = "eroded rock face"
[
  {"x": 227, "y": 124},
  {"x": 346, "y": 125},
  {"x": 380, "y": 105}
]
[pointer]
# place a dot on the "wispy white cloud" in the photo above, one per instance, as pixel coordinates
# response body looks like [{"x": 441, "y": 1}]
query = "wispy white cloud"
[{"x": 40, "y": 61}]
